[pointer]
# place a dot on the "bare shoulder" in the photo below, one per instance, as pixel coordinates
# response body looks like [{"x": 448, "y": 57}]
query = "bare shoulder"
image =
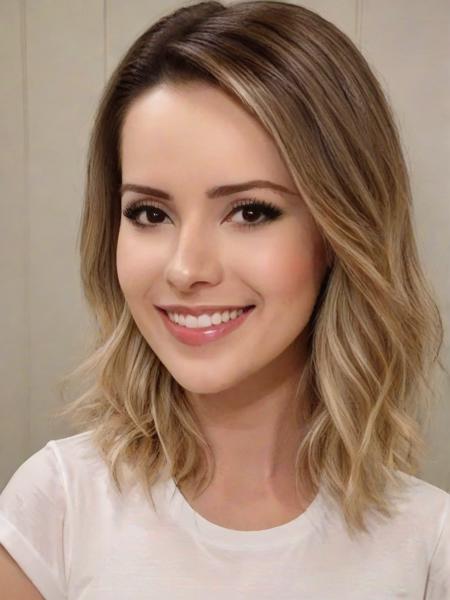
[{"x": 14, "y": 584}]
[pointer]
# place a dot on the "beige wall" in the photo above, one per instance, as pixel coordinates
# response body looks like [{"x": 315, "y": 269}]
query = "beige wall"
[{"x": 54, "y": 58}]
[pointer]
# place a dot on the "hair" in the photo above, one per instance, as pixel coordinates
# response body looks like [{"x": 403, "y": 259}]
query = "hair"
[{"x": 375, "y": 331}]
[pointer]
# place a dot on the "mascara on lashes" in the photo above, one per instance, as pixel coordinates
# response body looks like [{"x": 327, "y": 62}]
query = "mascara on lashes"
[{"x": 271, "y": 211}]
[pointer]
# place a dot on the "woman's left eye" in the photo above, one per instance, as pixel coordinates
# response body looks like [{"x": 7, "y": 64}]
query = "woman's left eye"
[{"x": 248, "y": 208}]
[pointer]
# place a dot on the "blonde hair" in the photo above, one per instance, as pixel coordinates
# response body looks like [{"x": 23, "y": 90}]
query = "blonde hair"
[{"x": 375, "y": 331}]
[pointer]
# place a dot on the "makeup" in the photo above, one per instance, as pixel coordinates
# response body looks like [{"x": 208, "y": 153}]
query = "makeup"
[{"x": 203, "y": 335}]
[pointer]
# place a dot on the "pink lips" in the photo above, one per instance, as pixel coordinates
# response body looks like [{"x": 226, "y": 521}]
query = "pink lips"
[{"x": 203, "y": 335}]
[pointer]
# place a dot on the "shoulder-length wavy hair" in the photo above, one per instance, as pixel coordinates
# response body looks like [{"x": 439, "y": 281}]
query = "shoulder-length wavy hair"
[{"x": 375, "y": 331}]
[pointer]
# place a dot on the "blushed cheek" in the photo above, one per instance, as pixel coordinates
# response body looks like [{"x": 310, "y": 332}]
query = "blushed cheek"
[
  {"x": 129, "y": 267},
  {"x": 139, "y": 269},
  {"x": 294, "y": 271},
  {"x": 296, "y": 275}
]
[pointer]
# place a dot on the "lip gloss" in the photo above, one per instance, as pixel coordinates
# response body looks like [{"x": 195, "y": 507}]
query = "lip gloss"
[{"x": 203, "y": 335}]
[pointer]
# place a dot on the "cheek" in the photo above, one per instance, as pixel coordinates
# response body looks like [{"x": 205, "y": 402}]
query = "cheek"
[
  {"x": 123, "y": 265},
  {"x": 132, "y": 265},
  {"x": 290, "y": 272}
]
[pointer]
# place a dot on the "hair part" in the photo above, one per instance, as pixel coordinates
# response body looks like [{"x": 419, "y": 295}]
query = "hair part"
[{"x": 375, "y": 331}]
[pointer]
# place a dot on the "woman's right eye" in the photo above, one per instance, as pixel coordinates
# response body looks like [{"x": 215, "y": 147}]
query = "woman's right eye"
[{"x": 132, "y": 212}]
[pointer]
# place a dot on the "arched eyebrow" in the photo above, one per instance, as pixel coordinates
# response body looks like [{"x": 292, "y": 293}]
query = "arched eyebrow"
[{"x": 215, "y": 192}]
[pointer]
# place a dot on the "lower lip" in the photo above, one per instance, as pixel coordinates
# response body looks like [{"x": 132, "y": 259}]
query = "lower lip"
[{"x": 202, "y": 335}]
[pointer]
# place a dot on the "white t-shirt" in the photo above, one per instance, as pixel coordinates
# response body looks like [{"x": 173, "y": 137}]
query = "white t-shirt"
[{"x": 66, "y": 526}]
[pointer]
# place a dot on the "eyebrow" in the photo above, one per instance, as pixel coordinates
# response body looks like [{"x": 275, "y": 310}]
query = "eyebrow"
[{"x": 215, "y": 192}]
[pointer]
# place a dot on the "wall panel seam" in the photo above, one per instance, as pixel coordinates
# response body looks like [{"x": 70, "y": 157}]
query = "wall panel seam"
[
  {"x": 359, "y": 6},
  {"x": 25, "y": 188}
]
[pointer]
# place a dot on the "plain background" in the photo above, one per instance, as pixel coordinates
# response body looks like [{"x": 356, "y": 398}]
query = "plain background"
[{"x": 55, "y": 56}]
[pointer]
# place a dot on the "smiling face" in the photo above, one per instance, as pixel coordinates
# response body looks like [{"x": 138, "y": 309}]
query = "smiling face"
[{"x": 199, "y": 250}]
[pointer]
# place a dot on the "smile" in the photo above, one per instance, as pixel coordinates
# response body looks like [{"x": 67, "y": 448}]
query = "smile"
[{"x": 196, "y": 336}]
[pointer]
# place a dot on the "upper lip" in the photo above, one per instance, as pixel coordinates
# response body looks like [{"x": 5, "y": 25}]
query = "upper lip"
[{"x": 197, "y": 310}]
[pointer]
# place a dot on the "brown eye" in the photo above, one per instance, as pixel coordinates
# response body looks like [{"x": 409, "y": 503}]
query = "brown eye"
[
  {"x": 252, "y": 210},
  {"x": 154, "y": 215}
]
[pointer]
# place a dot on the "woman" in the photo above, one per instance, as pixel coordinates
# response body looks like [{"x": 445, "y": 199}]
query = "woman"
[{"x": 265, "y": 333}]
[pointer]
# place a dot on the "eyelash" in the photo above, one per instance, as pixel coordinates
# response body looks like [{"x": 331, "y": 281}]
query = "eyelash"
[{"x": 271, "y": 211}]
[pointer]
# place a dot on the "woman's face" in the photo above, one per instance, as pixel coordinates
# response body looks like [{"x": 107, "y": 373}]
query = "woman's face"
[{"x": 195, "y": 250}]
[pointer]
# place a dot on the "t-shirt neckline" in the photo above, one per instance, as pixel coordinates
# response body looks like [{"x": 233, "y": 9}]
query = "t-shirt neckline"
[{"x": 197, "y": 525}]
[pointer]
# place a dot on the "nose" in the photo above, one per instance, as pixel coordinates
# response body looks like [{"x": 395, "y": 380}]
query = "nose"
[{"x": 195, "y": 259}]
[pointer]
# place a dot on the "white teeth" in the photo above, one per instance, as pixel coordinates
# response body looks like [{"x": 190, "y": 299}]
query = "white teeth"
[{"x": 204, "y": 320}]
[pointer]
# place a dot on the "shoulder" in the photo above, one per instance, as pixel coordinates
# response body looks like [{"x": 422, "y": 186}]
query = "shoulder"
[
  {"x": 423, "y": 497},
  {"x": 46, "y": 468},
  {"x": 424, "y": 511},
  {"x": 36, "y": 520},
  {"x": 84, "y": 470},
  {"x": 430, "y": 508}
]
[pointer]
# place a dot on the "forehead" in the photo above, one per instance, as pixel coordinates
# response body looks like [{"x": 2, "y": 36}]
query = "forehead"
[{"x": 174, "y": 132}]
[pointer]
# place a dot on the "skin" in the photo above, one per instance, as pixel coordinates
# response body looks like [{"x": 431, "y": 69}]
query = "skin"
[{"x": 185, "y": 140}]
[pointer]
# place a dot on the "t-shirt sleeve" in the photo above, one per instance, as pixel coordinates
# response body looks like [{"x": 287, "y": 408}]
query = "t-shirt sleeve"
[
  {"x": 32, "y": 519},
  {"x": 438, "y": 585}
]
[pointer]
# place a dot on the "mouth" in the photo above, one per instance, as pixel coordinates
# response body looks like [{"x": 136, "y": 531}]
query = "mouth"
[
  {"x": 245, "y": 309},
  {"x": 197, "y": 336}
]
